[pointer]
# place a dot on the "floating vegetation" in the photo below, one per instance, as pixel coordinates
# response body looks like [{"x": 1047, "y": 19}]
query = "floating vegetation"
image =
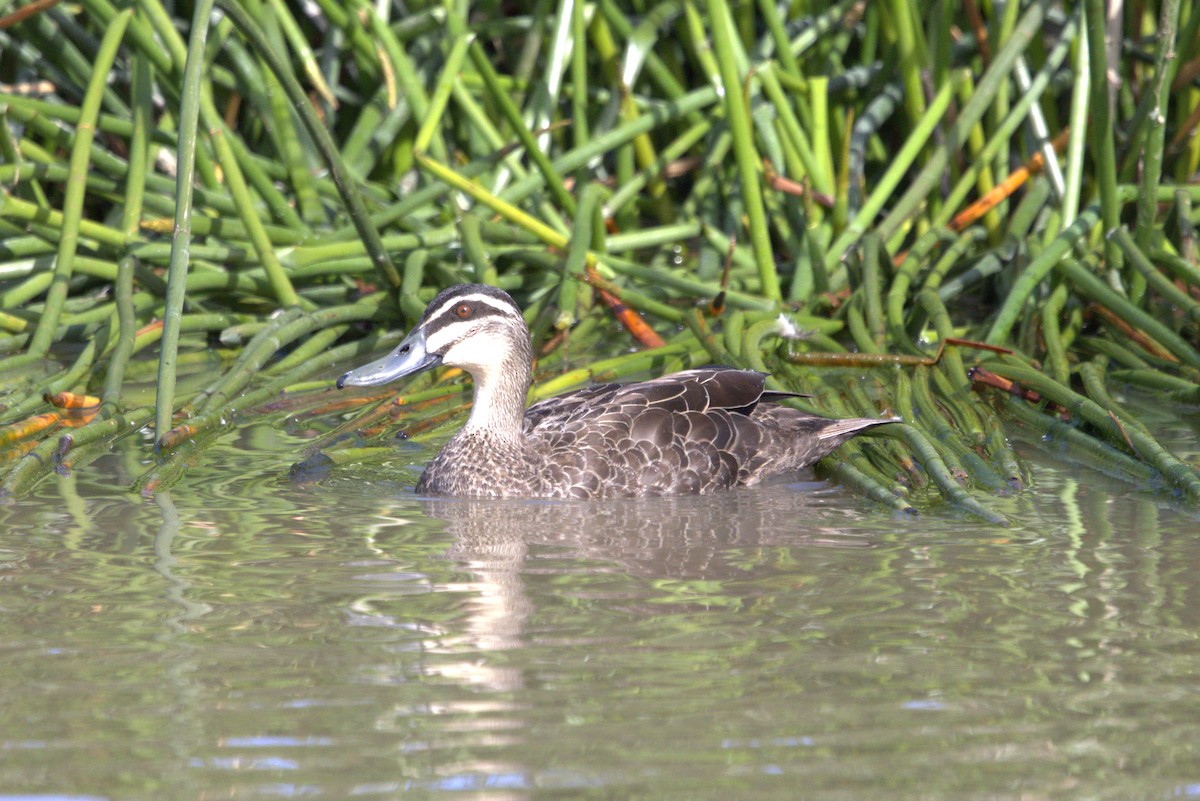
[{"x": 948, "y": 213}]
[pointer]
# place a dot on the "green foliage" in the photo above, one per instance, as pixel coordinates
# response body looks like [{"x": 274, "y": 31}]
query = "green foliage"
[{"x": 273, "y": 176}]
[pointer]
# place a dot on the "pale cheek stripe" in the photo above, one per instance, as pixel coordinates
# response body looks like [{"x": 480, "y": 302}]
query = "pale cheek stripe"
[{"x": 439, "y": 339}]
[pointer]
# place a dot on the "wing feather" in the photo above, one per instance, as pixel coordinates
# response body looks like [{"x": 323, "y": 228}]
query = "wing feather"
[{"x": 692, "y": 431}]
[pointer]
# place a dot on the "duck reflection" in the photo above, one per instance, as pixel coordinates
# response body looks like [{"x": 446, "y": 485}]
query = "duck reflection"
[
  {"x": 673, "y": 537},
  {"x": 616, "y": 596},
  {"x": 685, "y": 538}
]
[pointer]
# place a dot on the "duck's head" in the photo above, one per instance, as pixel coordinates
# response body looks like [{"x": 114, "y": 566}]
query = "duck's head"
[{"x": 472, "y": 326}]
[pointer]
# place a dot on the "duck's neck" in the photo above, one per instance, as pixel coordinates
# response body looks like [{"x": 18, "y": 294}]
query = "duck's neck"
[{"x": 500, "y": 392}]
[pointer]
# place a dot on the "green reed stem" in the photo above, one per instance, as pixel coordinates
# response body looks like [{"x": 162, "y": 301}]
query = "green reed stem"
[
  {"x": 989, "y": 86},
  {"x": 109, "y": 429},
  {"x": 892, "y": 177},
  {"x": 76, "y": 184},
  {"x": 959, "y": 404},
  {"x": 1179, "y": 389},
  {"x": 1114, "y": 427},
  {"x": 605, "y": 370},
  {"x": 263, "y": 346},
  {"x": 181, "y": 239},
  {"x": 1101, "y": 125},
  {"x": 936, "y": 468},
  {"x": 952, "y": 441},
  {"x": 550, "y": 175},
  {"x": 1094, "y": 288},
  {"x": 226, "y": 415},
  {"x": 707, "y": 337},
  {"x": 441, "y": 93},
  {"x": 29, "y": 469},
  {"x": 1093, "y": 375},
  {"x": 324, "y": 142},
  {"x": 872, "y": 289},
  {"x": 850, "y": 475},
  {"x": 793, "y": 130},
  {"x": 748, "y": 161},
  {"x": 1036, "y": 272},
  {"x": 127, "y": 329},
  {"x": 904, "y": 399},
  {"x": 1155, "y": 280},
  {"x": 1083, "y": 448},
  {"x": 999, "y": 141},
  {"x": 1152, "y": 151},
  {"x": 1056, "y": 352}
]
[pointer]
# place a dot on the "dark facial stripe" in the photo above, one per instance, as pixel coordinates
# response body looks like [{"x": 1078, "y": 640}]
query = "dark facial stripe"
[
  {"x": 465, "y": 292},
  {"x": 486, "y": 301}
]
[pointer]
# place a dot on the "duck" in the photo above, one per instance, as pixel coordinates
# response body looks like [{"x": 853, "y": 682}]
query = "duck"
[{"x": 691, "y": 432}]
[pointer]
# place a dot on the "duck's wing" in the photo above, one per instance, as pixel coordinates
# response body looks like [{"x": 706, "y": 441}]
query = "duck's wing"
[
  {"x": 684, "y": 432},
  {"x": 694, "y": 431},
  {"x": 700, "y": 390}
]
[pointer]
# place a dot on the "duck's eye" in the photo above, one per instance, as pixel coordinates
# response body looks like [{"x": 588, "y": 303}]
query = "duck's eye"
[{"x": 463, "y": 310}]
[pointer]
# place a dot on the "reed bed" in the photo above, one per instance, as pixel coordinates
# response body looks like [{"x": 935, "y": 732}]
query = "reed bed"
[{"x": 978, "y": 217}]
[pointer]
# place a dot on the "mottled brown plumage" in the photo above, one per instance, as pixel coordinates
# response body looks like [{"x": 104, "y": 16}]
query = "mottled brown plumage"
[{"x": 690, "y": 432}]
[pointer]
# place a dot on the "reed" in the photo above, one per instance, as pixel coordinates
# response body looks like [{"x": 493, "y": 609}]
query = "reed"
[{"x": 861, "y": 198}]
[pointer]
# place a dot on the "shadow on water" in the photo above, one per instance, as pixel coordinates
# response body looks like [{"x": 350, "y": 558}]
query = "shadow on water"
[{"x": 249, "y": 636}]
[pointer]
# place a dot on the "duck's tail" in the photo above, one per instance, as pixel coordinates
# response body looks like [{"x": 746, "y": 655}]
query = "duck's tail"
[{"x": 844, "y": 429}]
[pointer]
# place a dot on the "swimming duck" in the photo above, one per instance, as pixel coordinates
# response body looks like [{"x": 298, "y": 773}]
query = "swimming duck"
[{"x": 694, "y": 431}]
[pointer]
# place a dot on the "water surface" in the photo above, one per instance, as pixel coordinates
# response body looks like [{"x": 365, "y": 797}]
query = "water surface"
[{"x": 250, "y": 636}]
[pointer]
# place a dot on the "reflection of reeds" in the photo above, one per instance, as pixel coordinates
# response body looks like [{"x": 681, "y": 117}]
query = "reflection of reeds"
[{"x": 707, "y": 184}]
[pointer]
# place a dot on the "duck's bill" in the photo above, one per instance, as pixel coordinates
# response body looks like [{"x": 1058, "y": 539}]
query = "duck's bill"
[{"x": 408, "y": 358}]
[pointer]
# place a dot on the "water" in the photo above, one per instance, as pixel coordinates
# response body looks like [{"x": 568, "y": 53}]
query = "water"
[{"x": 248, "y": 636}]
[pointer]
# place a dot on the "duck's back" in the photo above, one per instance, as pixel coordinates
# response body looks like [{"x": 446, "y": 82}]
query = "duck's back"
[{"x": 689, "y": 432}]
